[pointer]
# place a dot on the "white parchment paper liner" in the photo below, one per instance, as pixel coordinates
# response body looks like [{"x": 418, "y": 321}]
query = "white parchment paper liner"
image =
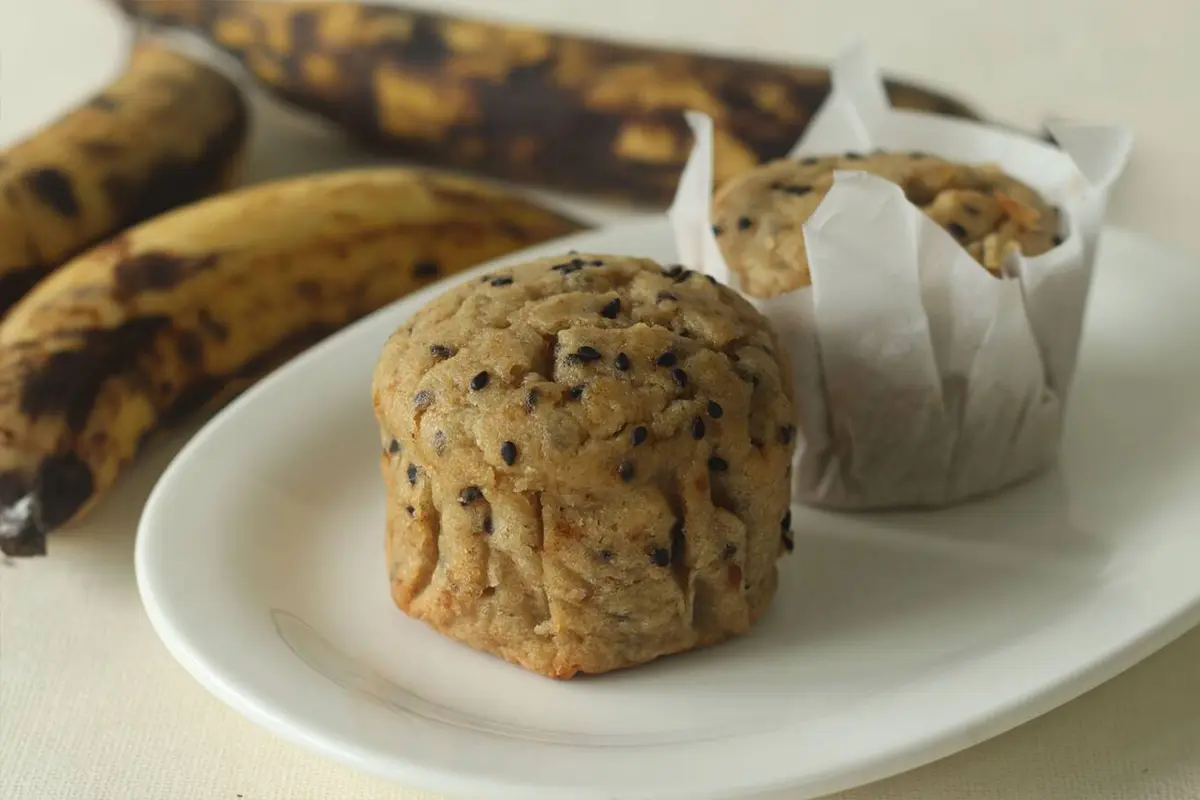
[{"x": 920, "y": 378}]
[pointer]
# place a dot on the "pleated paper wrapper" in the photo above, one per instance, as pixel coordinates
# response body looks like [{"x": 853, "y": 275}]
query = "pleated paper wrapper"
[{"x": 921, "y": 379}]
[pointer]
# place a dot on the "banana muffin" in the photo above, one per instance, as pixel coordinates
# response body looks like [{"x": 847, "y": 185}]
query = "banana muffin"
[
  {"x": 758, "y": 215},
  {"x": 586, "y": 461}
]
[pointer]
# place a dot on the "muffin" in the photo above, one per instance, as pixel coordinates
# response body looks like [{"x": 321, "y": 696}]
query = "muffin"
[
  {"x": 758, "y": 215},
  {"x": 587, "y": 463}
]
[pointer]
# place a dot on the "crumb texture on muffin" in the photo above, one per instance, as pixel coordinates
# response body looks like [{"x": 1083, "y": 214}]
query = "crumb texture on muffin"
[
  {"x": 587, "y": 462},
  {"x": 758, "y": 215}
]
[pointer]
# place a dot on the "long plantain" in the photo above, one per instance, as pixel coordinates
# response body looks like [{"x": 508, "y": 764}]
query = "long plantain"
[
  {"x": 182, "y": 311},
  {"x": 166, "y": 132},
  {"x": 516, "y": 103}
]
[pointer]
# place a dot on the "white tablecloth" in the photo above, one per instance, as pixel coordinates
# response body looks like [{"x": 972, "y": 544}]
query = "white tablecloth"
[{"x": 92, "y": 706}]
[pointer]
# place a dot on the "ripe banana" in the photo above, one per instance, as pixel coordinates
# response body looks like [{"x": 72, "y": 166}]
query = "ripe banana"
[
  {"x": 181, "y": 312},
  {"x": 166, "y": 132},
  {"x": 516, "y": 103}
]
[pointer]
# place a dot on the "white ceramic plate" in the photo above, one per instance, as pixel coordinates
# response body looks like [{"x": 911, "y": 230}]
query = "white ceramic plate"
[{"x": 894, "y": 639}]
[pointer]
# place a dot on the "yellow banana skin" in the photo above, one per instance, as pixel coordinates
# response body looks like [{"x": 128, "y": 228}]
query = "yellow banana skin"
[
  {"x": 183, "y": 311},
  {"x": 166, "y": 132}
]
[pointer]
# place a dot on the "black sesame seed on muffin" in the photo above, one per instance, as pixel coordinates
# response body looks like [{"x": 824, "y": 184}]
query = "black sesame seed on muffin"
[{"x": 584, "y": 491}]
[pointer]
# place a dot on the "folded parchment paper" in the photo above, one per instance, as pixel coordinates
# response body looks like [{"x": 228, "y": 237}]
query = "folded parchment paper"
[{"x": 920, "y": 378}]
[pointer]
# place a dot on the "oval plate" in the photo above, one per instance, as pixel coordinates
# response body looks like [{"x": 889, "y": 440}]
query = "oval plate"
[{"x": 894, "y": 640}]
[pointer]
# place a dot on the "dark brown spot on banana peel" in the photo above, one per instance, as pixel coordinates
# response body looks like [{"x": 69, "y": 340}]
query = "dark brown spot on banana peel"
[
  {"x": 156, "y": 271},
  {"x": 97, "y": 148},
  {"x": 473, "y": 95},
  {"x": 190, "y": 347},
  {"x": 68, "y": 381},
  {"x": 53, "y": 187},
  {"x": 210, "y": 325},
  {"x": 309, "y": 291}
]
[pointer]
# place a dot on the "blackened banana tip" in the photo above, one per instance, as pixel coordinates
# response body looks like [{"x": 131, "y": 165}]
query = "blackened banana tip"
[{"x": 20, "y": 534}]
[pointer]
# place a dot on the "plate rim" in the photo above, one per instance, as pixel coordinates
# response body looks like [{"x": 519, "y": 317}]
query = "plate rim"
[{"x": 415, "y": 775}]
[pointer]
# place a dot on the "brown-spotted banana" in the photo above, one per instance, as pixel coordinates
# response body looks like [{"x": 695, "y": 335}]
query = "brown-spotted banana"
[{"x": 181, "y": 312}]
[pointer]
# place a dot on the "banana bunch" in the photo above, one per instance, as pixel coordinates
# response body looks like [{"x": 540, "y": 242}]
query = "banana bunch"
[
  {"x": 166, "y": 132},
  {"x": 516, "y": 103},
  {"x": 182, "y": 311}
]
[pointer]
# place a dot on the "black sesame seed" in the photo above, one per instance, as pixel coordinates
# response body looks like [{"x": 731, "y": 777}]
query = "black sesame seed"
[
  {"x": 683, "y": 276},
  {"x": 411, "y": 511},
  {"x": 502, "y": 281},
  {"x": 425, "y": 269},
  {"x": 625, "y": 470},
  {"x": 480, "y": 380},
  {"x": 665, "y": 296},
  {"x": 596, "y": 263},
  {"x": 788, "y": 542},
  {"x": 718, "y": 230},
  {"x": 661, "y": 557},
  {"x": 393, "y": 447},
  {"x": 729, "y": 551},
  {"x": 440, "y": 351},
  {"x": 853, "y": 156},
  {"x": 487, "y": 525},
  {"x": 588, "y": 353},
  {"x": 809, "y": 161},
  {"x": 606, "y": 556},
  {"x": 439, "y": 442},
  {"x": 621, "y": 362},
  {"x": 531, "y": 399},
  {"x": 423, "y": 399},
  {"x": 638, "y": 436},
  {"x": 786, "y": 523},
  {"x": 469, "y": 495},
  {"x": 717, "y": 464},
  {"x": 412, "y": 474},
  {"x": 575, "y": 392},
  {"x": 744, "y": 223},
  {"x": 578, "y": 262},
  {"x": 1057, "y": 240},
  {"x": 957, "y": 231},
  {"x": 611, "y": 308},
  {"x": 714, "y": 409},
  {"x": 667, "y": 359},
  {"x": 680, "y": 377},
  {"x": 484, "y": 278},
  {"x": 970, "y": 209},
  {"x": 508, "y": 451},
  {"x": 798, "y": 189},
  {"x": 673, "y": 271},
  {"x": 697, "y": 428},
  {"x": 785, "y": 434}
]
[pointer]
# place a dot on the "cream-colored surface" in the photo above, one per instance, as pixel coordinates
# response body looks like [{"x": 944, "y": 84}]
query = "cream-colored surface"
[{"x": 92, "y": 706}]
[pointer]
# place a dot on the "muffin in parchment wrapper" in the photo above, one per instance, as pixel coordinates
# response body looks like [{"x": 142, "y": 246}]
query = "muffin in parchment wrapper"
[{"x": 921, "y": 378}]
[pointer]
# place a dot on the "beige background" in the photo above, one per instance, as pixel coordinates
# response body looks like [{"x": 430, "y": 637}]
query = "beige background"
[{"x": 91, "y": 705}]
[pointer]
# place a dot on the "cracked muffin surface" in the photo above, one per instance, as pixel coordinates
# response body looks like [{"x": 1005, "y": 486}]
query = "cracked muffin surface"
[
  {"x": 758, "y": 215},
  {"x": 586, "y": 461}
]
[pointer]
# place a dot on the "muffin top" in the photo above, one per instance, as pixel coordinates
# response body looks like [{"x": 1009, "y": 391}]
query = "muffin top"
[
  {"x": 758, "y": 215},
  {"x": 585, "y": 373}
]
